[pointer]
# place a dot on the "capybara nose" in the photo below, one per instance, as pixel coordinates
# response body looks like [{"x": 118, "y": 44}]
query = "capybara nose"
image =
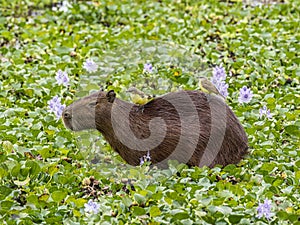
[{"x": 67, "y": 115}]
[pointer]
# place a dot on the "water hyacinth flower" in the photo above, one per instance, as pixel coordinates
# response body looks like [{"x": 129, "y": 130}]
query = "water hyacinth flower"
[
  {"x": 215, "y": 81},
  {"x": 90, "y": 66},
  {"x": 142, "y": 161},
  {"x": 245, "y": 95},
  {"x": 148, "y": 157},
  {"x": 148, "y": 68},
  {"x": 264, "y": 209},
  {"x": 265, "y": 111},
  {"x": 56, "y": 107},
  {"x": 218, "y": 79},
  {"x": 223, "y": 88},
  {"x": 145, "y": 158},
  {"x": 62, "y": 78},
  {"x": 219, "y": 73},
  {"x": 91, "y": 207},
  {"x": 63, "y": 7}
]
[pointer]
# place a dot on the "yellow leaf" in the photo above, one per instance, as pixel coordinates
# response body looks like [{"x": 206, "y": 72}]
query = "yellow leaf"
[
  {"x": 44, "y": 197},
  {"x": 50, "y": 132},
  {"x": 76, "y": 213},
  {"x": 80, "y": 202},
  {"x": 289, "y": 210}
]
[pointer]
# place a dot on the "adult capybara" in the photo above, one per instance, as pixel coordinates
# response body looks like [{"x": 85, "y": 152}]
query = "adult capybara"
[{"x": 189, "y": 126}]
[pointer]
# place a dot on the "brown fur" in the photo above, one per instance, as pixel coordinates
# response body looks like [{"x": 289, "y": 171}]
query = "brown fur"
[{"x": 94, "y": 111}]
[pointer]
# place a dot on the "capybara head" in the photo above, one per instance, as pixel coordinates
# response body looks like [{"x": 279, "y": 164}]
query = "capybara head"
[
  {"x": 81, "y": 114},
  {"x": 189, "y": 126}
]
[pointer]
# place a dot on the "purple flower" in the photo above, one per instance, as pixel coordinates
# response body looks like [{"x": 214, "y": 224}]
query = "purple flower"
[
  {"x": 223, "y": 88},
  {"x": 63, "y": 7},
  {"x": 264, "y": 209},
  {"x": 56, "y": 107},
  {"x": 245, "y": 95},
  {"x": 215, "y": 81},
  {"x": 142, "y": 160},
  {"x": 265, "y": 111},
  {"x": 269, "y": 115},
  {"x": 62, "y": 78},
  {"x": 148, "y": 157},
  {"x": 90, "y": 66},
  {"x": 219, "y": 73},
  {"x": 91, "y": 207},
  {"x": 148, "y": 68},
  {"x": 145, "y": 158},
  {"x": 218, "y": 79},
  {"x": 53, "y": 102}
]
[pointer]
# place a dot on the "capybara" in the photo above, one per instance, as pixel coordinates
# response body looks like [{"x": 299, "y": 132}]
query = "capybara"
[{"x": 191, "y": 127}]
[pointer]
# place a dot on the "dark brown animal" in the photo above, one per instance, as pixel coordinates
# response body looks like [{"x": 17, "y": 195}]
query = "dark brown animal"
[{"x": 189, "y": 126}]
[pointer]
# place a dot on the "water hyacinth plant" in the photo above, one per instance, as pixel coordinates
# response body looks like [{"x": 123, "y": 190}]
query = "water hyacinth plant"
[
  {"x": 90, "y": 66},
  {"x": 42, "y": 164}
]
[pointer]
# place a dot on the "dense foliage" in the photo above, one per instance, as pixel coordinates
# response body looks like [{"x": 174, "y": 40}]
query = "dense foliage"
[{"x": 48, "y": 174}]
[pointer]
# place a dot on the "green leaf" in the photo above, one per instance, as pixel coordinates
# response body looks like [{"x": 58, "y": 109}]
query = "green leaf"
[
  {"x": 3, "y": 173},
  {"x": 5, "y": 190},
  {"x": 7, "y": 146},
  {"x": 282, "y": 215},
  {"x": 6, "y": 205},
  {"x": 155, "y": 211},
  {"x": 58, "y": 196},
  {"x": 33, "y": 199},
  {"x": 138, "y": 211},
  {"x": 235, "y": 219},
  {"x": 268, "y": 167},
  {"x": 53, "y": 169},
  {"x": 293, "y": 130},
  {"x": 297, "y": 176},
  {"x": 277, "y": 182},
  {"x": 127, "y": 201},
  {"x": 180, "y": 216},
  {"x": 140, "y": 199},
  {"x": 54, "y": 220},
  {"x": 34, "y": 167},
  {"x": 16, "y": 170}
]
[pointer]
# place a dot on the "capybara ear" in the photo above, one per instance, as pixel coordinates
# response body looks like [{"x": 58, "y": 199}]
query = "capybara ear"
[{"x": 111, "y": 95}]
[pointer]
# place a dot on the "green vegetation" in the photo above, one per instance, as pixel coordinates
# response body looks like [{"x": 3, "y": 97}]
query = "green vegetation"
[{"x": 48, "y": 174}]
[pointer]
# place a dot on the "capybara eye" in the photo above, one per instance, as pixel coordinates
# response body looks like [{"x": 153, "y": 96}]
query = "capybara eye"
[{"x": 67, "y": 115}]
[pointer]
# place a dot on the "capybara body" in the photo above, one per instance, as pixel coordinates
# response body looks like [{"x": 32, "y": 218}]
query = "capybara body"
[{"x": 189, "y": 126}]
